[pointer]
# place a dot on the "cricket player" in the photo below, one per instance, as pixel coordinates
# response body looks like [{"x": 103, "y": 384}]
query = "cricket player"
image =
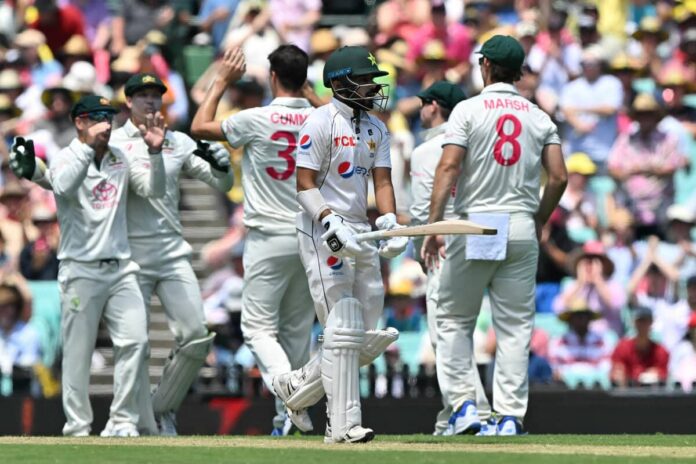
[
  {"x": 341, "y": 147},
  {"x": 277, "y": 314},
  {"x": 494, "y": 147},
  {"x": 164, "y": 256},
  {"x": 97, "y": 277},
  {"x": 437, "y": 102}
]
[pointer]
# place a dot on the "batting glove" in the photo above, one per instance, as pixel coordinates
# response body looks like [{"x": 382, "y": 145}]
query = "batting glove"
[
  {"x": 339, "y": 238},
  {"x": 394, "y": 246},
  {"x": 214, "y": 154},
  {"x": 23, "y": 158}
]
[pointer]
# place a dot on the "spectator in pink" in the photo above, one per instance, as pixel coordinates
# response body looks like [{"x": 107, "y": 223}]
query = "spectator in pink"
[
  {"x": 295, "y": 19},
  {"x": 593, "y": 284},
  {"x": 639, "y": 360},
  {"x": 583, "y": 352},
  {"x": 643, "y": 162},
  {"x": 456, "y": 38}
]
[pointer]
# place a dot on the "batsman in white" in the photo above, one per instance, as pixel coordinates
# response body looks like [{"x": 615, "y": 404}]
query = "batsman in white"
[
  {"x": 437, "y": 102},
  {"x": 277, "y": 311},
  {"x": 494, "y": 148},
  {"x": 341, "y": 147},
  {"x": 97, "y": 277},
  {"x": 164, "y": 256}
]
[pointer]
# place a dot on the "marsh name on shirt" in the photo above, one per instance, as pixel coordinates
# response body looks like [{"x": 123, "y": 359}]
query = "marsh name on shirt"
[{"x": 505, "y": 103}]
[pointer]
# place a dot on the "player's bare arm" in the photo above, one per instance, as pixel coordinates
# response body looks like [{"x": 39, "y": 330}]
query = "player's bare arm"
[
  {"x": 384, "y": 190},
  {"x": 554, "y": 165},
  {"x": 445, "y": 177},
  {"x": 230, "y": 70}
]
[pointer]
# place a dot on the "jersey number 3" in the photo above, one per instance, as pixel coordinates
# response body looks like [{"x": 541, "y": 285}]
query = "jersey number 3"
[
  {"x": 286, "y": 154},
  {"x": 507, "y": 138}
]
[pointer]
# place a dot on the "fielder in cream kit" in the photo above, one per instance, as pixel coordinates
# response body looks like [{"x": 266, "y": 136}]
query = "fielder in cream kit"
[
  {"x": 158, "y": 246},
  {"x": 97, "y": 277},
  {"x": 342, "y": 148},
  {"x": 438, "y": 100},
  {"x": 494, "y": 149},
  {"x": 277, "y": 314}
]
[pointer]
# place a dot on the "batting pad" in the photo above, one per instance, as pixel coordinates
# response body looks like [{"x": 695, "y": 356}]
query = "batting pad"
[
  {"x": 179, "y": 373},
  {"x": 343, "y": 337}
]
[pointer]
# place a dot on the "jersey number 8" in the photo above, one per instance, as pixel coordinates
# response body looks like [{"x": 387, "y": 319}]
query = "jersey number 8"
[
  {"x": 286, "y": 154},
  {"x": 504, "y": 138}
]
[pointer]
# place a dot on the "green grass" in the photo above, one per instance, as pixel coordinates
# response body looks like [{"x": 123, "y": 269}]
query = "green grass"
[{"x": 406, "y": 449}]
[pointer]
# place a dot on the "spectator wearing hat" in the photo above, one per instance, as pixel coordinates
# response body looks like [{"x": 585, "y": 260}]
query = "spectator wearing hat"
[
  {"x": 9, "y": 115},
  {"x": 55, "y": 130},
  {"x": 58, "y": 23},
  {"x": 580, "y": 203},
  {"x": 20, "y": 346},
  {"x": 639, "y": 360},
  {"x": 649, "y": 35},
  {"x": 682, "y": 358},
  {"x": 39, "y": 258},
  {"x": 556, "y": 57},
  {"x": 626, "y": 70},
  {"x": 39, "y": 67},
  {"x": 590, "y": 105},
  {"x": 643, "y": 162},
  {"x": 582, "y": 353},
  {"x": 76, "y": 49},
  {"x": 593, "y": 271},
  {"x": 456, "y": 39}
]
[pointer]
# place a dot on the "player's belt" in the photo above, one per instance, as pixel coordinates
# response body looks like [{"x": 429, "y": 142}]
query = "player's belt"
[{"x": 109, "y": 261}]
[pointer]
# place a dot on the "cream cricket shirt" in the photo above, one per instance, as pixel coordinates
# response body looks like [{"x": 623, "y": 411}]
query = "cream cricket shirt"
[
  {"x": 91, "y": 207},
  {"x": 504, "y": 135},
  {"x": 151, "y": 217},
  {"x": 270, "y": 136},
  {"x": 343, "y": 151}
]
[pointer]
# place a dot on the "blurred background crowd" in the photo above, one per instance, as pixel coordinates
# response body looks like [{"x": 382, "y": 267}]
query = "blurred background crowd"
[{"x": 616, "y": 297}]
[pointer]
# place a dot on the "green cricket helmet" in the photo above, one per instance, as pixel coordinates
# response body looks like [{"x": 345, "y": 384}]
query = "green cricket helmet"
[{"x": 348, "y": 70}]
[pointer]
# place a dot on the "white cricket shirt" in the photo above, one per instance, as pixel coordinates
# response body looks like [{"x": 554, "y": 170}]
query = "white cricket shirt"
[
  {"x": 343, "y": 151},
  {"x": 91, "y": 207},
  {"x": 270, "y": 136},
  {"x": 504, "y": 135}
]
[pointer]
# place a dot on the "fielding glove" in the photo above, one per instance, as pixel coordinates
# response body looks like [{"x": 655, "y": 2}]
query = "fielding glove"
[
  {"x": 339, "y": 238},
  {"x": 394, "y": 246},
  {"x": 23, "y": 158},
  {"x": 214, "y": 154}
]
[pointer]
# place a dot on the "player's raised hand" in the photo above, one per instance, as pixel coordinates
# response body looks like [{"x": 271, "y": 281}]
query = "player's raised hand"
[
  {"x": 98, "y": 134},
  {"x": 23, "y": 158},
  {"x": 154, "y": 131},
  {"x": 214, "y": 154},
  {"x": 233, "y": 65}
]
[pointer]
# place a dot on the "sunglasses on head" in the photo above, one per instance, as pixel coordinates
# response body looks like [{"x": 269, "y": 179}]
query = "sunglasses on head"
[{"x": 99, "y": 116}]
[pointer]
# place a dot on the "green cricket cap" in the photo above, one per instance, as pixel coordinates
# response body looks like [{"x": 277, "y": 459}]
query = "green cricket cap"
[
  {"x": 504, "y": 50},
  {"x": 141, "y": 81},
  {"x": 444, "y": 93},
  {"x": 351, "y": 61},
  {"x": 91, "y": 104}
]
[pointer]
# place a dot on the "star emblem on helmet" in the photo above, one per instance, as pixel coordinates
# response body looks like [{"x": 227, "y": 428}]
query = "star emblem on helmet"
[{"x": 372, "y": 59}]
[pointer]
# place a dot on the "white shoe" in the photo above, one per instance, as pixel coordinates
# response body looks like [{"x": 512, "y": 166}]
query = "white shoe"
[
  {"x": 301, "y": 419},
  {"x": 465, "y": 420},
  {"x": 284, "y": 389},
  {"x": 357, "y": 434},
  {"x": 166, "y": 423},
  {"x": 489, "y": 428},
  {"x": 125, "y": 429}
]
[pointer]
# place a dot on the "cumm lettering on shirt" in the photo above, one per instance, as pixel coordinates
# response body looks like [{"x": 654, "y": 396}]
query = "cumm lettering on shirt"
[
  {"x": 288, "y": 119},
  {"x": 505, "y": 103}
]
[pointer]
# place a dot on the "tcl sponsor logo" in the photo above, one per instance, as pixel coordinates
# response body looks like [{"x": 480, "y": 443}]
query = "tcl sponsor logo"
[{"x": 344, "y": 141}]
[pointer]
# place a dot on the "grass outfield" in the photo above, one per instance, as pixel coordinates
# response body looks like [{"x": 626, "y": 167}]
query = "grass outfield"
[{"x": 385, "y": 449}]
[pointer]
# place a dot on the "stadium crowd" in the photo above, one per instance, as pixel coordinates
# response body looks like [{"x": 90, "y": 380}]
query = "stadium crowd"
[{"x": 616, "y": 295}]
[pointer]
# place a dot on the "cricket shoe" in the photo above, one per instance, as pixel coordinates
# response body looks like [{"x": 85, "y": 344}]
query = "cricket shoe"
[
  {"x": 284, "y": 389},
  {"x": 166, "y": 424},
  {"x": 465, "y": 420},
  {"x": 489, "y": 428},
  {"x": 125, "y": 429},
  {"x": 357, "y": 434},
  {"x": 509, "y": 425}
]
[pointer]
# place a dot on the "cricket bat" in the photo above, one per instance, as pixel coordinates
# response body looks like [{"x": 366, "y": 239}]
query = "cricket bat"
[{"x": 450, "y": 227}]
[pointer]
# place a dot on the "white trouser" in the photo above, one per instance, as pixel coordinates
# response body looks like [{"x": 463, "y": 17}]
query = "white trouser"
[
  {"x": 277, "y": 314},
  {"x": 90, "y": 291},
  {"x": 165, "y": 270},
  {"x": 482, "y": 404},
  {"x": 511, "y": 285},
  {"x": 332, "y": 278}
]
